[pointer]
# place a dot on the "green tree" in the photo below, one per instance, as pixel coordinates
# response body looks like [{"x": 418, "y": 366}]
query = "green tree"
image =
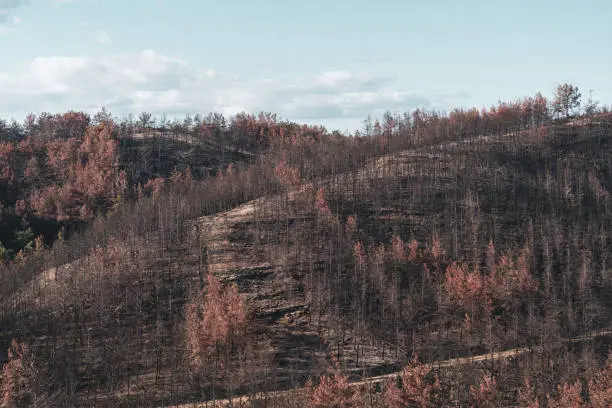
[
  {"x": 24, "y": 239},
  {"x": 567, "y": 99}
]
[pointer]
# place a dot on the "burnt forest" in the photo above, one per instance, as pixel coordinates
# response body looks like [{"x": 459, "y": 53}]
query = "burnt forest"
[{"x": 430, "y": 259}]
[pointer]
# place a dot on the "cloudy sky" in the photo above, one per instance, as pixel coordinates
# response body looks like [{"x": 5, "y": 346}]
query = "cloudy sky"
[{"x": 331, "y": 62}]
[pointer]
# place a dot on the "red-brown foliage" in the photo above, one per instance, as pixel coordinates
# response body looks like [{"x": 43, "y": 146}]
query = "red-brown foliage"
[
  {"x": 332, "y": 391},
  {"x": 568, "y": 396},
  {"x": 21, "y": 207},
  {"x": 321, "y": 202},
  {"x": 512, "y": 277},
  {"x": 413, "y": 250},
  {"x": 72, "y": 124},
  {"x": 436, "y": 252},
  {"x": 287, "y": 175},
  {"x": 351, "y": 225},
  {"x": 600, "y": 386},
  {"x": 527, "y": 397},
  {"x": 84, "y": 177},
  {"x": 419, "y": 385},
  {"x": 467, "y": 286},
  {"x": 483, "y": 395},
  {"x": 464, "y": 285},
  {"x": 154, "y": 186},
  {"x": 17, "y": 374},
  {"x": 215, "y": 320},
  {"x": 399, "y": 248},
  {"x": 32, "y": 171}
]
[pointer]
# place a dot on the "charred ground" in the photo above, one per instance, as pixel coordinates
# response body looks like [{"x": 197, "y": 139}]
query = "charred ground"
[{"x": 445, "y": 236}]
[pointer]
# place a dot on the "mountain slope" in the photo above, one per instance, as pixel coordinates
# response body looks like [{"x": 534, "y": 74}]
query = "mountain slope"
[{"x": 112, "y": 325}]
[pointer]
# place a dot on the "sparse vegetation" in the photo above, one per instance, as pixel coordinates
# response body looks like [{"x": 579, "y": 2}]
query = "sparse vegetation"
[{"x": 148, "y": 264}]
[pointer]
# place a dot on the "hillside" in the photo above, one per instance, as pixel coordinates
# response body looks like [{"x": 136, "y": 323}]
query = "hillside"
[{"x": 447, "y": 238}]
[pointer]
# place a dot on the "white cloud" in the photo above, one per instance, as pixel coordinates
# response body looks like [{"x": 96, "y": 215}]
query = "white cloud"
[
  {"x": 103, "y": 37},
  {"x": 149, "y": 81},
  {"x": 332, "y": 78},
  {"x": 6, "y": 6}
]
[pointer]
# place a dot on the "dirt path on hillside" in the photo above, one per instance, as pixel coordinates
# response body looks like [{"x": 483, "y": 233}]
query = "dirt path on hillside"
[{"x": 247, "y": 401}]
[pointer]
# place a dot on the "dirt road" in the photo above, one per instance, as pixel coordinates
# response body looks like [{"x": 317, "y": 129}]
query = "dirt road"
[{"x": 247, "y": 401}]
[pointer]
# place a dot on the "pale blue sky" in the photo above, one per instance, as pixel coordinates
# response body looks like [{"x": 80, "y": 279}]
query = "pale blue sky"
[{"x": 331, "y": 62}]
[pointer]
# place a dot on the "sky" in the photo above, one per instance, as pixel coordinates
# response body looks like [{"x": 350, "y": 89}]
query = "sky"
[{"x": 331, "y": 62}]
